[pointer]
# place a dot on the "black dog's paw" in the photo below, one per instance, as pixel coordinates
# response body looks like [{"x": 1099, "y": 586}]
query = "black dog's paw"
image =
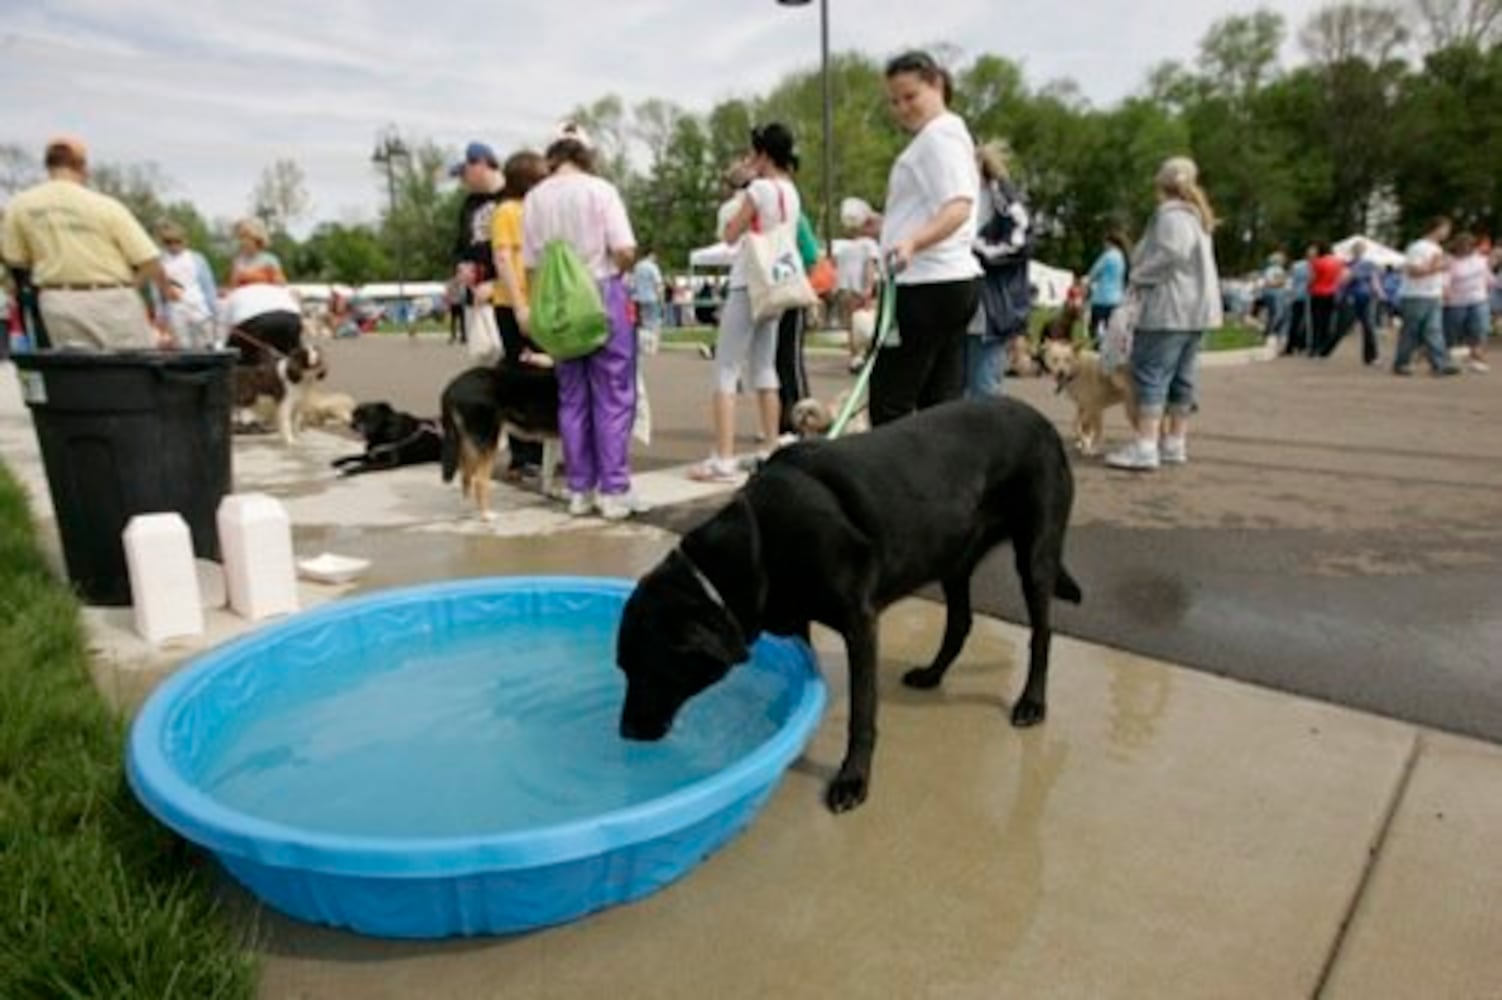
[
  {"x": 923, "y": 678},
  {"x": 846, "y": 791},
  {"x": 1028, "y": 713}
]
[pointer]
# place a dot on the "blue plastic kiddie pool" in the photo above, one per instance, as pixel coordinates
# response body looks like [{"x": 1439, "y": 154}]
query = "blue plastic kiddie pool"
[{"x": 444, "y": 760}]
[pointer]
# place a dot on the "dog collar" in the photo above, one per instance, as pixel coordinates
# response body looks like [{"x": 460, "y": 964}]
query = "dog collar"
[{"x": 713, "y": 592}]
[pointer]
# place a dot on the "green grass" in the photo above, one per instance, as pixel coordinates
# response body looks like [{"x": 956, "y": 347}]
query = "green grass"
[{"x": 96, "y": 898}]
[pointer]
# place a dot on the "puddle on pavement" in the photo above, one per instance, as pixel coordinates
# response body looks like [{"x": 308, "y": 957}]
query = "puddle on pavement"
[{"x": 399, "y": 558}]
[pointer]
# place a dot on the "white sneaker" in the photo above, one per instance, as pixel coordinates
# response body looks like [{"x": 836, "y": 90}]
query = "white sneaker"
[
  {"x": 1480, "y": 367},
  {"x": 615, "y": 506},
  {"x": 1139, "y": 456},
  {"x": 1173, "y": 450},
  {"x": 580, "y": 504}
]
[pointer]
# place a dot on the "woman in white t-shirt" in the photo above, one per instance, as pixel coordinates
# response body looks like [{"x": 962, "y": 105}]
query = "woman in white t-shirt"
[
  {"x": 926, "y": 233},
  {"x": 747, "y": 349}
]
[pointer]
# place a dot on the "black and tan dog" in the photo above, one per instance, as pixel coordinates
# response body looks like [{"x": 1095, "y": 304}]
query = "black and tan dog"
[
  {"x": 511, "y": 397},
  {"x": 834, "y": 532},
  {"x": 392, "y": 439}
]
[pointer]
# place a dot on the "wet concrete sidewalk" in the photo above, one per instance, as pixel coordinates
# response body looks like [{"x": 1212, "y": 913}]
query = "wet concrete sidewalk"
[{"x": 1165, "y": 833}]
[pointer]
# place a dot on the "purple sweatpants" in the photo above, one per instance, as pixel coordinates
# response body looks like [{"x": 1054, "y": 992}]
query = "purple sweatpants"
[{"x": 597, "y": 404}]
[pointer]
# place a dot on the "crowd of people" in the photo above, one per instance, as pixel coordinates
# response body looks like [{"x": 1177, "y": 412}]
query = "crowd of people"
[
  {"x": 1443, "y": 295},
  {"x": 954, "y": 239}
]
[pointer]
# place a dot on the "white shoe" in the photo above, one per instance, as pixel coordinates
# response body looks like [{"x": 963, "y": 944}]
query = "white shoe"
[
  {"x": 1141, "y": 456},
  {"x": 615, "y": 506},
  {"x": 1480, "y": 367},
  {"x": 1173, "y": 450},
  {"x": 580, "y": 504}
]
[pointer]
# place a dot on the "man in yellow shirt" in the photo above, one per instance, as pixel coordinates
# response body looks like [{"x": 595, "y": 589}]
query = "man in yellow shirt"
[{"x": 86, "y": 254}]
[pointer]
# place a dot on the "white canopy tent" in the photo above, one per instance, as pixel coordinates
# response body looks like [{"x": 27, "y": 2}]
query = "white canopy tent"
[
  {"x": 1050, "y": 284},
  {"x": 1377, "y": 253}
]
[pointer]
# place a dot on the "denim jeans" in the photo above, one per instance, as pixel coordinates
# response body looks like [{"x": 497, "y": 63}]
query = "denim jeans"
[
  {"x": 1421, "y": 326},
  {"x": 1468, "y": 325},
  {"x": 1165, "y": 369},
  {"x": 985, "y": 366},
  {"x": 1353, "y": 312}
]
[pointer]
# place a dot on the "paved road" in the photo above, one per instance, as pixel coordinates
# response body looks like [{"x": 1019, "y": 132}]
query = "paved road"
[{"x": 1338, "y": 532}]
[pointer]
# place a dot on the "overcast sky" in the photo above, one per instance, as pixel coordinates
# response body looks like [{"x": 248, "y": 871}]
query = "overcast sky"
[{"x": 214, "y": 91}]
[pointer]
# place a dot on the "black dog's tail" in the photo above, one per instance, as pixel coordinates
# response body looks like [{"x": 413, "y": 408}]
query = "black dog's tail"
[
  {"x": 450, "y": 453},
  {"x": 1066, "y": 589}
]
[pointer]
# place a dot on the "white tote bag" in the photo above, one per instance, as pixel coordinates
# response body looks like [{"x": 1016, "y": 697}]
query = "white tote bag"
[
  {"x": 1116, "y": 341},
  {"x": 775, "y": 280},
  {"x": 482, "y": 338}
]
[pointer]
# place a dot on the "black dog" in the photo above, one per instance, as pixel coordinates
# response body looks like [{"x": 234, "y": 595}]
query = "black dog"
[
  {"x": 479, "y": 404},
  {"x": 392, "y": 439},
  {"x": 834, "y": 532}
]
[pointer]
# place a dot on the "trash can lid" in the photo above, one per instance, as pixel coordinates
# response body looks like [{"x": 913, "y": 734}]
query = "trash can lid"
[{"x": 78, "y": 358}]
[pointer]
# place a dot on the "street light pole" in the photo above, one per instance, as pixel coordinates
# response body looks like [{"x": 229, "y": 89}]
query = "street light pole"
[
  {"x": 828, "y": 117},
  {"x": 390, "y": 149}
]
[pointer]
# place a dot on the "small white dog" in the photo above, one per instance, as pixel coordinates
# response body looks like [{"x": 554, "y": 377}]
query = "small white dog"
[
  {"x": 811, "y": 418},
  {"x": 321, "y": 408}
]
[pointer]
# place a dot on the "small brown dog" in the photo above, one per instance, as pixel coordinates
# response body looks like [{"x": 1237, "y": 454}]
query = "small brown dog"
[
  {"x": 811, "y": 418},
  {"x": 1078, "y": 372}
]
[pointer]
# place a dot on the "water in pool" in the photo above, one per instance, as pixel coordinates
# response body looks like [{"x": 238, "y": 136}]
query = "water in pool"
[{"x": 499, "y": 730}]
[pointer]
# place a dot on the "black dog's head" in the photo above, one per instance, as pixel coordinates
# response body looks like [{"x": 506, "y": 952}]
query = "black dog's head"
[
  {"x": 372, "y": 421},
  {"x": 678, "y": 634}
]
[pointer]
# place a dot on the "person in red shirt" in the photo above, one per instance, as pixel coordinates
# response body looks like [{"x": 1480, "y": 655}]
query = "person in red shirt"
[{"x": 1325, "y": 274}]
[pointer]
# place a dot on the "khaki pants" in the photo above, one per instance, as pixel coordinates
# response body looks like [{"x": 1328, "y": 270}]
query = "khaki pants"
[{"x": 104, "y": 318}]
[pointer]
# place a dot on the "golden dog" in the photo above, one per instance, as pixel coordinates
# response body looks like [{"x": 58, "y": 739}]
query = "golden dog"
[{"x": 1078, "y": 372}]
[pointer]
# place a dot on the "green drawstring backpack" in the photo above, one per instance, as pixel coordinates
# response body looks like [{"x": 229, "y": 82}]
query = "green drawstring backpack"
[{"x": 568, "y": 315}]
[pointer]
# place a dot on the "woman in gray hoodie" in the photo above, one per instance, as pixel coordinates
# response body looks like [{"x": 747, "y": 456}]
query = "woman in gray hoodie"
[{"x": 1174, "y": 276}]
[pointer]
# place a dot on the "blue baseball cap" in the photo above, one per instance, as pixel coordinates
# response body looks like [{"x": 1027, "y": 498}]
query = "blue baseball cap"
[{"x": 475, "y": 152}]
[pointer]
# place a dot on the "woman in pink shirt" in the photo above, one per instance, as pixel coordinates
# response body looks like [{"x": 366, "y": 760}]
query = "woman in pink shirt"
[
  {"x": 596, "y": 393},
  {"x": 1468, "y": 289}
]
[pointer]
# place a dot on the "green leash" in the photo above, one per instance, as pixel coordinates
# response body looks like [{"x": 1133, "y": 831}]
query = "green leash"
[{"x": 885, "y": 315}]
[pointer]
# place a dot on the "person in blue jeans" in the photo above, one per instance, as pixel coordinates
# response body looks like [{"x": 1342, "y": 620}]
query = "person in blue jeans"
[
  {"x": 1360, "y": 291},
  {"x": 1422, "y": 299},
  {"x": 1174, "y": 273},
  {"x": 1107, "y": 277}
]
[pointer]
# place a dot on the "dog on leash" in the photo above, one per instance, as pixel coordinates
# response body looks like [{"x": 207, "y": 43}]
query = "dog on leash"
[
  {"x": 1078, "y": 372},
  {"x": 811, "y": 418},
  {"x": 284, "y": 383},
  {"x": 481, "y": 405},
  {"x": 392, "y": 439},
  {"x": 834, "y": 532}
]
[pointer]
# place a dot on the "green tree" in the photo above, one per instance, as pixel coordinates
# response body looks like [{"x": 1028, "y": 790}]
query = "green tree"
[{"x": 1448, "y": 139}]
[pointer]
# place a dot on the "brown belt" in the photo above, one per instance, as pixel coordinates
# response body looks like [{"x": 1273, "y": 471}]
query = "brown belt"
[{"x": 99, "y": 287}]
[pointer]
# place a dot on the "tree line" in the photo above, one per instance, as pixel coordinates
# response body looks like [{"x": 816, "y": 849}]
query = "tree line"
[{"x": 1392, "y": 115}]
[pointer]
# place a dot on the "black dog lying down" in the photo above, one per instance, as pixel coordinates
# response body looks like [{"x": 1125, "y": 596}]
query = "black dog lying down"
[
  {"x": 833, "y": 532},
  {"x": 392, "y": 439}
]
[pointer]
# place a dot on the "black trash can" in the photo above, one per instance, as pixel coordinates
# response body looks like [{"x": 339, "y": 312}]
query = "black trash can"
[{"x": 125, "y": 433}]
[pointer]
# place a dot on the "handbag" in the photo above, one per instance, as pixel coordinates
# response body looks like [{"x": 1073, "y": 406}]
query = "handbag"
[
  {"x": 775, "y": 281},
  {"x": 482, "y": 337}
]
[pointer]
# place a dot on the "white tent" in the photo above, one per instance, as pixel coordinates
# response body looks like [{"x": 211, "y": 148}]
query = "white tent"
[
  {"x": 1382, "y": 256},
  {"x": 719, "y": 255}
]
